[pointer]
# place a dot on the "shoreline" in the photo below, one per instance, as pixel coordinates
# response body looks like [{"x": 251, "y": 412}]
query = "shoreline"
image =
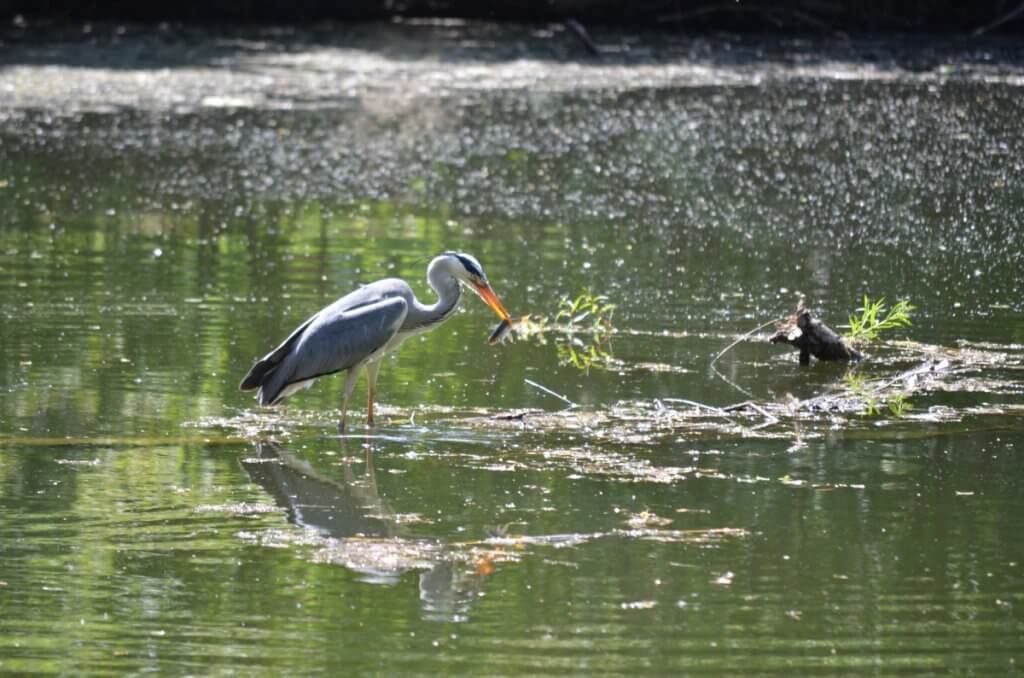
[{"x": 110, "y": 67}]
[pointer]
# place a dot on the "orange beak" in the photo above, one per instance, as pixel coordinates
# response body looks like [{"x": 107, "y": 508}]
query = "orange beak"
[{"x": 488, "y": 295}]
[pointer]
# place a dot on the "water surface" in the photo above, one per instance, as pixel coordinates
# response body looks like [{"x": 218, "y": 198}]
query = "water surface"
[{"x": 152, "y": 518}]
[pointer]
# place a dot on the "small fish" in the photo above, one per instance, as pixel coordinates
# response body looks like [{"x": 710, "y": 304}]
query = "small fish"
[
  {"x": 503, "y": 329},
  {"x": 500, "y": 332}
]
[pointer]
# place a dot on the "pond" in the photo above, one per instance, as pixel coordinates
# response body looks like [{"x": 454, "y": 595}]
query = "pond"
[{"x": 155, "y": 519}]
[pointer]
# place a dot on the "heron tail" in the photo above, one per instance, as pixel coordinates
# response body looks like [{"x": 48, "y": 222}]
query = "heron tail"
[
  {"x": 258, "y": 374},
  {"x": 265, "y": 381},
  {"x": 266, "y": 367},
  {"x": 267, "y": 377}
]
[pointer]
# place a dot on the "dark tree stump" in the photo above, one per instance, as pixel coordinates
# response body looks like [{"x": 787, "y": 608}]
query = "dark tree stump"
[{"x": 813, "y": 337}]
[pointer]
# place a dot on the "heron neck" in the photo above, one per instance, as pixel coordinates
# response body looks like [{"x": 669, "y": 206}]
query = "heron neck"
[{"x": 449, "y": 293}]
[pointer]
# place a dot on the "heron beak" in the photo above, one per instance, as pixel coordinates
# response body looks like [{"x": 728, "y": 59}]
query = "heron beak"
[{"x": 491, "y": 299}]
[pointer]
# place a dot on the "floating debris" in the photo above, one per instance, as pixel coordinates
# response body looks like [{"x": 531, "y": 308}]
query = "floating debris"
[
  {"x": 640, "y": 605},
  {"x": 725, "y": 579},
  {"x": 647, "y": 519},
  {"x": 238, "y": 508},
  {"x": 601, "y": 440}
]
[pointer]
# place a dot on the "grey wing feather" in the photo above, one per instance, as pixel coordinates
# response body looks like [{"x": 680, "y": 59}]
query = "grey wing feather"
[
  {"x": 339, "y": 337},
  {"x": 268, "y": 363}
]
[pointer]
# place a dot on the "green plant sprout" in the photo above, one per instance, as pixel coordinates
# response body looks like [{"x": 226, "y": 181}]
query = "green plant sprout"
[
  {"x": 899, "y": 405},
  {"x": 859, "y": 387},
  {"x": 875, "y": 318},
  {"x": 587, "y": 312},
  {"x": 581, "y": 356}
]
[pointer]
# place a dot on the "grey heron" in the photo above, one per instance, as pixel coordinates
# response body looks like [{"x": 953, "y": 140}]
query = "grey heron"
[{"x": 359, "y": 329}]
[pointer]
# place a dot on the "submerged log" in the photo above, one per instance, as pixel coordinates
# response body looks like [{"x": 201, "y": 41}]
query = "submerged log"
[{"x": 813, "y": 337}]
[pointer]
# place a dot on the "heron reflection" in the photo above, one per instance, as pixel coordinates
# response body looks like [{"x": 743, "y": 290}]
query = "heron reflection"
[{"x": 361, "y": 531}]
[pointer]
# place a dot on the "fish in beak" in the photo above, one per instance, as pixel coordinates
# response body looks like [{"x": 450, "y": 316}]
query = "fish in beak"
[
  {"x": 491, "y": 299},
  {"x": 504, "y": 328}
]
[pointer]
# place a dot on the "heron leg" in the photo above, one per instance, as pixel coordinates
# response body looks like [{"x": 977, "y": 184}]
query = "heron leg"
[
  {"x": 371, "y": 386},
  {"x": 350, "y": 384}
]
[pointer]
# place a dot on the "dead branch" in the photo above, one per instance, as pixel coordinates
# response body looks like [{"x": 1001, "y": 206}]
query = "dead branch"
[
  {"x": 1004, "y": 19},
  {"x": 577, "y": 29},
  {"x": 744, "y": 337}
]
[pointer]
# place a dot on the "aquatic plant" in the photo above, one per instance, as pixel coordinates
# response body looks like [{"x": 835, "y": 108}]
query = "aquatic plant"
[
  {"x": 874, "y": 398},
  {"x": 582, "y": 327},
  {"x": 858, "y": 388},
  {"x": 582, "y": 356},
  {"x": 586, "y": 312},
  {"x": 875, "y": 319},
  {"x": 899, "y": 405}
]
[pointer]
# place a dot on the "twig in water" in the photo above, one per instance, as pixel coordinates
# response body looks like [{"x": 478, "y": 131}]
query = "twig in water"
[
  {"x": 731, "y": 382},
  {"x": 550, "y": 392},
  {"x": 772, "y": 419},
  {"x": 725, "y": 350},
  {"x": 743, "y": 338},
  {"x": 512, "y": 416},
  {"x": 775, "y": 17},
  {"x": 1006, "y": 18},
  {"x": 693, "y": 403},
  {"x": 577, "y": 29},
  {"x": 751, "y": 405}
]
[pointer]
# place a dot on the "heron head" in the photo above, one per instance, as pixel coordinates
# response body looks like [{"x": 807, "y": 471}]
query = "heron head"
[{"x": 469, "y": 272}]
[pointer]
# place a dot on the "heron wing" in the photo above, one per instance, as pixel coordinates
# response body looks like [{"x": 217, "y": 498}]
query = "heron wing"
[
  {"x": 339, "y": 337},
  {"x": 254, "y": 378}
]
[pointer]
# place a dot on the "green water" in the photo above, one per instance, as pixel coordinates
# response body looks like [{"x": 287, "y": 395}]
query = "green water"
[{"x": 152, "y": 519}]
